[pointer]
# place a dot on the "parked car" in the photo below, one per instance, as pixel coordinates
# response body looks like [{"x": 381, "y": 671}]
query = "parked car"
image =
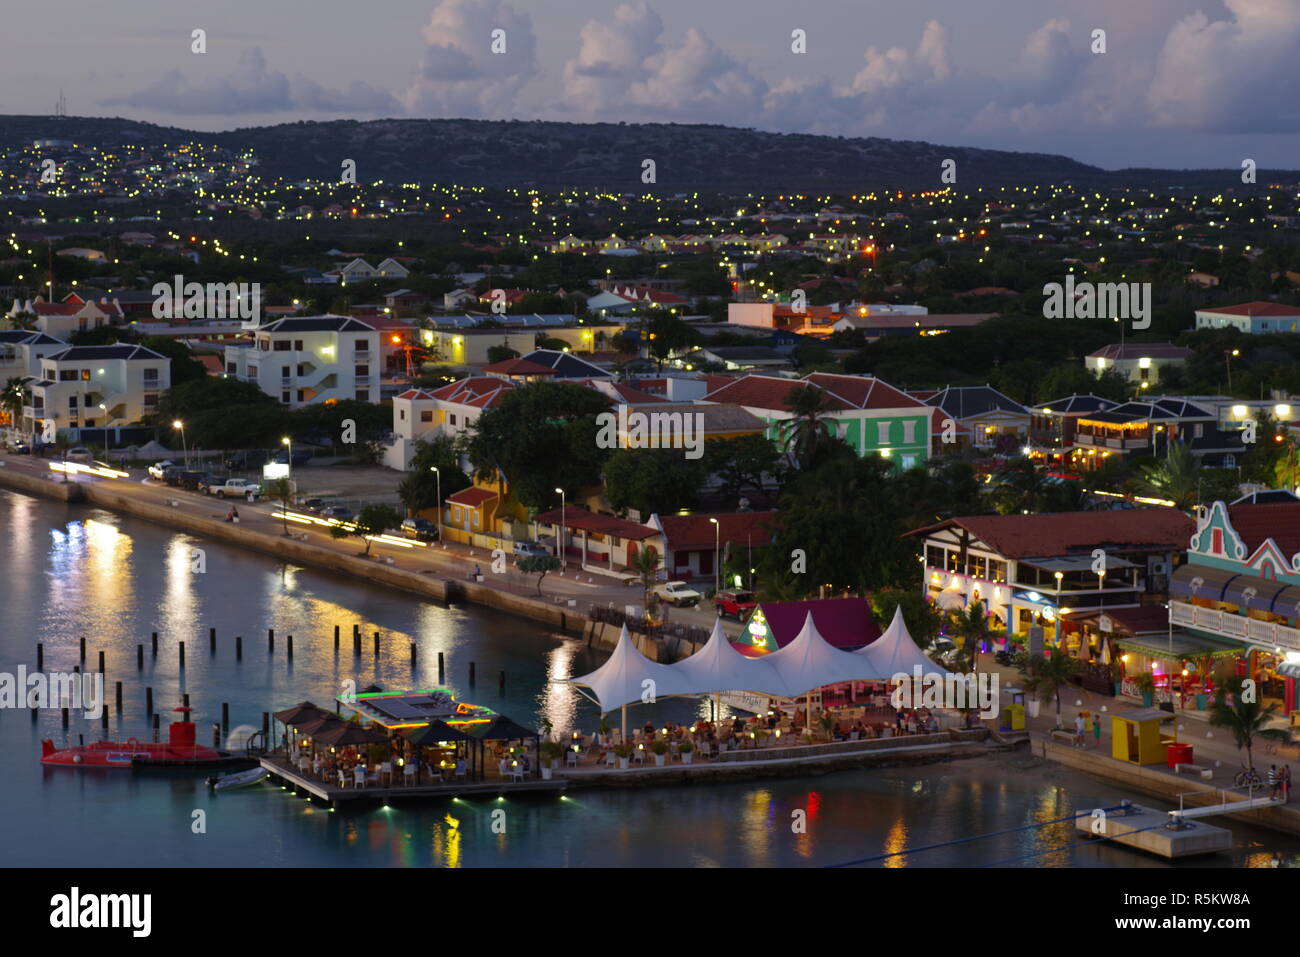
[
  {"x": 338, "y": 512},
  {"x": 80, "y": 454},
  {"x": 159, "y": 469},
  {"x": 530, "y": 549},
  {"x": 678, "y": 594},
  {"x": 297, "y": 459},
  {"x": 211, "y": 480},
  {"x": 235, "y": 488},
  {"x": 734, "y": 603},
  {"x": 172, "y": 476},
  {"x": 190, "y": 479},
  {"x": 312, "y": 504},
  {"x": 18, "y": 448},
  {"x": 420, "y": 529}
]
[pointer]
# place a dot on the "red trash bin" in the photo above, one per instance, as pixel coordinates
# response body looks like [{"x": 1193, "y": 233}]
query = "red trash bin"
[{"x": 1179, "y": 754}]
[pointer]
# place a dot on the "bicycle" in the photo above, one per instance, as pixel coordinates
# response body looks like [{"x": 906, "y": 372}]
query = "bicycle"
[{"x": 1247, "y": 777}]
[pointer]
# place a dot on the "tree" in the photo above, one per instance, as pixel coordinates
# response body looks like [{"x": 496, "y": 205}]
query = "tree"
[
  {"x": 370, "y": 521},
  {"x": 541, "y": 436},
  {"x": 646, "y": 564},
  {"x": 741, "y": 463},
  {"x": 668, "y": 335},
  {"x": 184, "y": 367},
  {"x": 655, "y": 481},
  {"x": 1046, "y": 677},
  {"x": 281, "y": 490},
  {"x": 805, "y": 435},
  {"x": 11, "y": 400},
  {"x": 500, "y": 353},
  {"x": 538, "y": 565},
  {"x": 1175, "y": 478},
  {"x": 419, "y": 490},
  {"x": 1247, "y": 720},
  {"x": 919, "y": 615}
]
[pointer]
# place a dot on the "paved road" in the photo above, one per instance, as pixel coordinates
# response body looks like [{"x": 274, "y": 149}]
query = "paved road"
[{"x": 452, "y": 560}]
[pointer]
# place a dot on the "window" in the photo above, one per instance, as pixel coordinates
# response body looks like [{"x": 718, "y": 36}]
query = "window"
[
  {"x": 150, "y": 399},
  {"x": 1145, "y": 374},
  {"x": 151, "y": 376},
  {"x": 401, "y": 415},
  {"x": 72, "y": 402},
  {"x": 360, "y": 345},
  {"x": 882, "y": 433},
  {"x": 284, "y": 397},
  {"x": 934, "y": 556},
  {"x": 426, "y": 415},
  {"x": 909, "y": 438},
  {"x": 362, "y": 369},
  {"x": 1198, "y": 430},
  {"x": 280, "y": 345},
  {"x": 297, "y": 344},
  {"x": 997, "y": 571},
  {"x": 230, "y": 368},
  {"x": 301, "y": 369},
  {"x": 284, "y": 373},
  {"x": 67, "y": 375},
  {"x": 363, "y": 395},
  {"x": 451, "y": 419},
  {"x": 85, "y": 375}
]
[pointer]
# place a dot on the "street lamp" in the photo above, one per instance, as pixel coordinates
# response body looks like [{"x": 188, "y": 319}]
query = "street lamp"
[
  {"x": 717, "y": 556},
  {"x": 559, "y": 542},
  {"x": 185, "y": 452},
  {"x": 438, "y": 476},
  {"x": 1227, "y": 359},
  {"x": 1060, "y": 629},
  {"x": 288, "y": 444}
]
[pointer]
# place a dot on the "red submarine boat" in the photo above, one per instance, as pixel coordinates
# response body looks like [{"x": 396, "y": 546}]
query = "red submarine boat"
[{"x": 180, "y": 751}]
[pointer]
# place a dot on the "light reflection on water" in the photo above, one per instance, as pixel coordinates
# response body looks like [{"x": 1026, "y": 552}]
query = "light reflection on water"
[{"x": 69, "y": 571}]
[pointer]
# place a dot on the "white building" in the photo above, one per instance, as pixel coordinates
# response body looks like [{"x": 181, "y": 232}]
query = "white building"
[
  {"x": 1138, "y": 362},
  {"x": 422, "y": 414},
  {"x": 304, "y": 359},
  {"x": 1251, "y": 317},
  {"x": 21, "y": 351},
  {"x": 94, "y": 386}
]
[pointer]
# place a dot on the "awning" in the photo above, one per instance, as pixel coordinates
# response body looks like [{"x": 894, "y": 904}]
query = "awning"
[
  {"x": 1289, "y": 669},
  {"x": 1251, "y": 591},
  {"x": 1183, "y": 646},
  {"x": 1075, "y": 563},
  {"x": 1287, "y": 602},
  {"x": 1199, "y": 581}
]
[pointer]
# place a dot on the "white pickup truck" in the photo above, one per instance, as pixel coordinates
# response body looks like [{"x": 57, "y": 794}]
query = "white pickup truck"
[
  {"x": 679, "y": 594},
  {"x": 236, "y": 488}
]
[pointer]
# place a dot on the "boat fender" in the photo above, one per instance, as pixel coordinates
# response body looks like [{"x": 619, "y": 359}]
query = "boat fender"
[{"x": 76, "y": 759}]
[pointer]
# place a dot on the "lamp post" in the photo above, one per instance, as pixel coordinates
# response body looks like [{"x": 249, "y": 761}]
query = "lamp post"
[
  {"x": 1227, "y": 359},
  {"x": 438, "y": 478},
  {"x": 288, "y": 444},
  {"x": 717, "y": 556},
  {"x": 185, "y": 452},
  {"x": 559, "y": 542},
  {"x": 1060, "y": 626}
]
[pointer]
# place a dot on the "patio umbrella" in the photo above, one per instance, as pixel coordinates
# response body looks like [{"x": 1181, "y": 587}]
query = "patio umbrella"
[
  {"x": 298, "y": 714},
  {"x": 350, "y": 734},
  {"x": 314, "y": 726},
  {"x": 1105, "y": 652},
  {"x": 435, "y": 732}
]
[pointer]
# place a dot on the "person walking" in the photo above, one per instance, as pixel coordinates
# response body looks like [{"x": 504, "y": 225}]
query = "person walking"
[
  {"x": 1286, "y": 783},
  {"x": 1078, "y": 729},
  {"x": 1096, "y": 727},
  {"x": 1273, "y": 783}
]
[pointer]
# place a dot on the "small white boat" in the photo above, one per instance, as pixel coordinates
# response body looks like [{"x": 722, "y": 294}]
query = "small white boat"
[{"x": 242, "y": 779}]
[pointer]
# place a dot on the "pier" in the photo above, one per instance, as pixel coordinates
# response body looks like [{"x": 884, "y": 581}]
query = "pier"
[
  {"x": 286, "y": 775},
  {"x": 1150, "y": 830}
]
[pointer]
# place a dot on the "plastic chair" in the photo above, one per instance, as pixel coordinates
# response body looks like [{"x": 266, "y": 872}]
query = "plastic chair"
[
  {"x": 409, "y": 771},
  {"x": 360, "y": 775},
  {"x": 571, "y": 758}
]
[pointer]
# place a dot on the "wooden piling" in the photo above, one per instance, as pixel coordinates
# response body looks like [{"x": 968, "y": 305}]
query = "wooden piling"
[
  {"x": 290, "y": 643},
  {"x": 139, "y": 657},
  {"x": 239, "y": 647},
  {"x": 40, "y": 656},
  {"x": 154, "y": 640},
  {"x": 212, "y": 640},
  {"x": 148, "y": 701}
]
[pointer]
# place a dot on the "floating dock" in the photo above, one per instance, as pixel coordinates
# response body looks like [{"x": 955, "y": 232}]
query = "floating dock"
[
  {"x": 288, "y": 776},
  {"x": 1146, "y": 829}
]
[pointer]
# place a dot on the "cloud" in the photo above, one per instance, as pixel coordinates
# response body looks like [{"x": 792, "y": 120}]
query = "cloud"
[
  {"x": 628, "y": 64},
  {"x": 253, "y": 88},
  {"x": 459, "y": 73},
  {"x": 1234, "y": 75}
]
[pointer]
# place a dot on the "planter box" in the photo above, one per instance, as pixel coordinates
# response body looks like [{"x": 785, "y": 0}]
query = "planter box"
[
  {"x": 546, "y": 774},
  {"x": 659, "y": 760},
  {"x": 622, "y": 763},
  {"x": 687, "y": 756}
]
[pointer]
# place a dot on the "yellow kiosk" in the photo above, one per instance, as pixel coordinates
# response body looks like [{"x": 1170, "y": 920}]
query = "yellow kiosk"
[
  {"x": 1136, "y": 737},
  {"x": 1013, "y": 714}
]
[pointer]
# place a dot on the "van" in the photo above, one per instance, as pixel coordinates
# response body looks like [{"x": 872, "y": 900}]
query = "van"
[{"x": 529, "y": 550}]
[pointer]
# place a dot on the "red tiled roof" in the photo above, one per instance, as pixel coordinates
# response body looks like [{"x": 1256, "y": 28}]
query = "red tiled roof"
[
  {"x": 864, "y": 392},
  {"x": 479, "y": 391},
  {"x": 578, "y": 518},
  {"x": 1129, "y": 350},
  {"x": 843, "y": 622},
  {"x": 1057, "y": 534},
  {"x": 1256, "y": 309},
  {"x": 472, "y": 497},
  {"x": 696, "y": 532},
  {"x": 1279, "y": 521},
  {"x": 766, "y": 392},
  {"x": 416, "y": 394},
  {"x": 518, "y": 366},
  {"x": 212, "y": 363},
  {"x": 939, "y": 424}
]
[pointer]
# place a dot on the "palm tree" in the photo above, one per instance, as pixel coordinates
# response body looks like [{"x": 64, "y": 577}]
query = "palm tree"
[
  {"x": 1247, "y": 720},
  {"x": 1047, "y": 676},
  {"x": 645, "y": 565},
  {"x": 11, "y": 399},
  {"x": 971, "y": 626},
  {"x": 805, "y": 435},
  {"x": 23, "y": 320},
  {"x": 1174, "y": 478}
]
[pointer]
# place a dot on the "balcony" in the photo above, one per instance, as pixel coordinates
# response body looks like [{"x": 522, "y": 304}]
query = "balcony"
[{"x": 1239, "y": 627}]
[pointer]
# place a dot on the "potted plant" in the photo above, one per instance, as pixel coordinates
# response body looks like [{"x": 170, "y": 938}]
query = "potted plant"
[
  {"x": 603, "y": 734},
  {"x": 660, "y": 749},
  {"x": 686, "y": 750},
  {"x": 1117, "y": 675},
  {"x": 1146, "y": 686},
  {"x": 826, "y": 724},
  {"x": 623, "y": 752},
  {"x": 552, "y": 752},
  {"x": 1202, "y": 699},
  {"x": 807, "y": 739}
]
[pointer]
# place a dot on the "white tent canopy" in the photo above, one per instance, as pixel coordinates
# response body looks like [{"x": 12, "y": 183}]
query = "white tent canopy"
[
  {"x": 620, "y": 680},
  {"x": 895, "y": 652},
  {"x": 806, "y": 663}
]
